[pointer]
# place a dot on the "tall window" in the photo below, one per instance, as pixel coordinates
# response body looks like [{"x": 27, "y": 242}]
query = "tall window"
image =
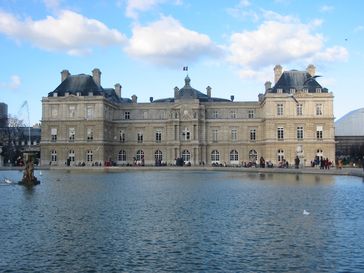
[
  {"x": 89, "y": 156},
  {"x": 280, "y": 133},
  {"x": 299, "y": 132},
  {"x": 71, "y": 155},
  {"x": 234, "y": 155},
  {"x": 251, "y": 113},
  {"x": 253, "y": 155},
  {"x": 215, "y": 114},
  {"x": 53, "y": 134},
  {"x": 280, "y": 155},
  {"x": 139, "y": 155},
  {"x": 233, "y": 114},
  {"x": 319, "y": 130},
  {"x": 122, "y": 155},
  {"x": 158, "y": 136},
  {"x": 140, "y": 137},
  {"x": 234, "y": 134},
  {"x": 53, "y": 155},
  {"x": 89, "y": 111},
  {"x": 299, "y": 109},
  {"x": 319, "y": 109},
  {"x": 279, "y": 109},
  {"x": 122, "y": 136},
  {"x": 158, "y": 155},
  {"x": 215, "y": 156},
  {"x": 253, "y": 134},
  {"x": 186, "y": 135},
  {"x": 90, "y": 134},
  {"x": 71, "y": 134},
  {"x": 72, "y": 111},
  {"x": 214, "y": 135},
  {"x": 186, "y": 156},
  {"x": 126, "y": 115}
]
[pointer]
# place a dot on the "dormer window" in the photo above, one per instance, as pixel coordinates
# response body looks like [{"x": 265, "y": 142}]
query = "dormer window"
[
  {"x": 66, "y": 94},
  {"x": 318, "y": 90},
  {"x": 78, "y": 94},
  {"x": 305, "y": 90},
  {"x": 55, "y": 94},
  {"x": 90, "y": 93},
  {"x": 279, "y": 90},
  {"x": 292, "y": 91}
]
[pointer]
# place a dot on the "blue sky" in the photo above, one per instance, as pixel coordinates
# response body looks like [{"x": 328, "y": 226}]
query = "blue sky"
[{"x": 231, "y": 46}]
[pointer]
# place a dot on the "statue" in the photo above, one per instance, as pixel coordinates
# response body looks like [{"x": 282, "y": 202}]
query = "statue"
[{"x": 28, "y": 176}]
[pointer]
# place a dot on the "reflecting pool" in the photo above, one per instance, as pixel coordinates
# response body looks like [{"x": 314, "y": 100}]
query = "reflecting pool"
[{"x": 182, "y": 221}]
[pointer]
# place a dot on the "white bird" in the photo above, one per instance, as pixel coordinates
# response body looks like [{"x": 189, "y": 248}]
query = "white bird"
[
  {"x": 40, "y": 172},
  {"x": 7, "y": 180},
  {"x": 305, "y": 212}
]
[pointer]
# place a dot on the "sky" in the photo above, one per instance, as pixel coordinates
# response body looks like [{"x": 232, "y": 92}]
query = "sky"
[{"x": 229, "y": 45}]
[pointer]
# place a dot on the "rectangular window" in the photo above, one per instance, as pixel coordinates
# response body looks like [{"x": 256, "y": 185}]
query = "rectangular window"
[
  {"x": 127, "y": 115},
  {"x": 299, "y": 109},
  {"x": 318, "y": 90},
  {"x": 279, "y": 90},
  {"x": 89, "y": 111},
  {"x": 280, "y": 133},
  {"x": 279, "y": 109},
  {"x": 158, "y": 136},
  {"x": 292, "y": 91},
  {"x": 54, "y": 111},
  {"x": 122, "y": 136},
  {"x": 251, "y": 114},
  {"x": 215, "y": 114},
  {"x": 71, "y": 134},
  {"x": 214, "y": 135},
  {"x": 72, "y": 111},
  {"x": 253, "y": 134},
  {"x": 300, "y": 133},
  {"x": 319, "y": 109},
  {"x": 140, "y": 137},
  {"x": 90, "y": 134},
  {"x": 319, "y": 130},
  {"x": 233, "y": 114},
  {"x": 234, "y": 135},
  {"x": 53, "y": 134}
]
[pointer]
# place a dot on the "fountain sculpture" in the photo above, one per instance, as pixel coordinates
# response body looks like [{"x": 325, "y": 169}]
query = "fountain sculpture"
[{"x": 28, "y": 176}]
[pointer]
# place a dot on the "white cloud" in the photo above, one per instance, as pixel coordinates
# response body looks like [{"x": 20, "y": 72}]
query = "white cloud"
[
  {"x": 134, "y": 7},
  {"x": 52, "y": 4},
  {"x": 326, "y": 8},
  {"x": 280, "y": 40},
  {"x": 359, "y": 29},
  {"x": 13, "y": 84},
  {"x": 167, "y": 42},
  {"x": 70, "y": 32}
]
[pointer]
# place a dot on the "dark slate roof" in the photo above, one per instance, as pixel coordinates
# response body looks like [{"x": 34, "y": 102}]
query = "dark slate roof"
[
  {"x": 189, "y": 93},
  {"x": 84, "y": 84},
  {"x": 297, "y": 80}
]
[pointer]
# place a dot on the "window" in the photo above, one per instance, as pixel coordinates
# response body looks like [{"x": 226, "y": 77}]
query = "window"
[
  {"x": 299, "y": 109},
  {"x": 280, "y": 133},
  {"x": 280, "y": 155},
  {"x": 145, "y": 115},
  {"x": 319, "y": 130},
  {"x": 127, "y": 115},
  {"x": 54, "y": 111},
  {"x": 186, "y": 156},
  {"x": 305, "y": 90},
  {"x": 292, "y": 91},
  {"x": 253, "y": 134},
  {"x": 158, "y": 156},
  {"x": 215, "y": 156},
  {"x": 140, "y": 137},
  {"x": 71, "y": 134},
  {"x": 89, "y": 111},
  {"x": 318, "y": 90},
  {"x": 215, "y": 114},
  {"x": 89, "y": 156},
  {"x": 186, "y": 135},
  {"x": 90, "y": 134},
  {"x": 234, "y": 155},
  {"x": 122, "y": 155},
  {"x": 214, "y": 135},
  {"x": 279, "y": 109},
  {"x": 71, "y": 155},
  {"x": 251, "y": 113},
  {"x": 233, "y": 114},
  {"x": 319, "y": 109},
  {"x": 53, "y": 155},
  {"x": 234, "y": 133},
  {"x": 72, "y": 111},
  {"x": 158, "y": 136},
  {"x": 122, "y": 136},
  {"x": 253, "y": 155},
  {"x": 279, "y": 90},
  {"x": 299, "y": 132},
  {"x": 140, "y": 155},
  {"x": 53, "y": 134}
]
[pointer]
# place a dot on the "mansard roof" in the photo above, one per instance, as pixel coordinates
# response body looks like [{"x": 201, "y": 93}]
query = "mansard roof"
[{"x": 297, "y": 80}]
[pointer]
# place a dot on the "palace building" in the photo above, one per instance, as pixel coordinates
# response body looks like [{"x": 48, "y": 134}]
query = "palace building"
[{"x": 84, "y": 123}]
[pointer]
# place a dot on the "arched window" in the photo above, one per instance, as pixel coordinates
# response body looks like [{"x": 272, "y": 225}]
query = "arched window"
[
  {"x": 186, "y": 156},
  {"x": 139, "y": 155},
  {"x": 158, "y": 155},
  {"x": 215, "y": 156},
  {"x": 280, "y": 155},
  {"x": 89, "y": 156},
  {"x": 122, "y": 155},
  {"x": 53, "y": 155},
  {"x": 234, "y": 156},
  {"x": 253, "y": 155},
  {"x": 71, "y": 155}
]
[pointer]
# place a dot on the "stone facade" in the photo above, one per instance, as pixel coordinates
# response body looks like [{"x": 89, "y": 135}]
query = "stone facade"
[{"x": 85, "y": 123}]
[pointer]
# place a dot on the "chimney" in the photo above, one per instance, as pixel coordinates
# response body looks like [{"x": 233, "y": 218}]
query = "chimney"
[
  {"x": 267, "y": 85},
  {"x": 134, "y": 99},
  {"x": 260, "y": 97},
  {"x": 64, "y": 74},
  {"x": 208, "y": 91},
  {"x": 118, "y": 89},
  {"x": 232, "y": 97},
  {"x": 96, "y": 75},
  {"x": 311, "y": 69},
  {"x": 151, "y": 99},
  {"x": 176, "y": 92},
  {"x": 277, "y": 73}
]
